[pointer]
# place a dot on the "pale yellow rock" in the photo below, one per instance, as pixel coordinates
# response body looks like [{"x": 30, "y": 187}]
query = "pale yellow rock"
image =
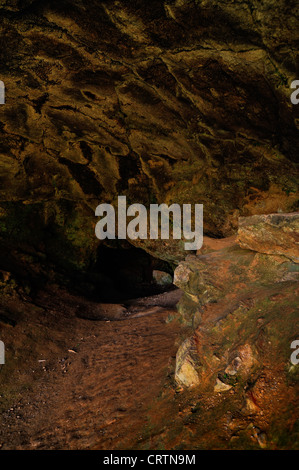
[
  {"x": 250, "y": 406},
  {"x": 276, "y": 234},
  {"x": 221, "y": 387},
  {"x": 233, "y": 367},
  {"x": 185, "y": 373},
  {"x": 181, "y": 275}
]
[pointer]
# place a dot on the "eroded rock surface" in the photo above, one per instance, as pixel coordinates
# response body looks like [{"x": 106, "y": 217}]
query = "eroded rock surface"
[
  {"x": 163, "y": 101},
  {"x": 177, "y": 101},
  {"x": 272, "y": 234},
  {"x": 242, "y": 306}
]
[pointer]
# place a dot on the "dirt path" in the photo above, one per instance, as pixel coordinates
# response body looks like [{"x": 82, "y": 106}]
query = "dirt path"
[{"x": 73, "y": 383}]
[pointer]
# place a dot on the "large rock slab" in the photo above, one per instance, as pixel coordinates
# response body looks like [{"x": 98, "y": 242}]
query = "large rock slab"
[
  {"x": 242, "y": 307},
  {"x": 220, "y": 274},
  {"x": 271, "y": 234}
]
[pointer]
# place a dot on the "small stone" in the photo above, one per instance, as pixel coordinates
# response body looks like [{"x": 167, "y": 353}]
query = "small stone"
[
  {"x": 162, "y": 278},
  {"x": 221, "y": 387},
  {"x": 185, "y": 373},
  {"x": 262, "y": 440},
  {"x": 233, "y": 367},
  {"x": 181, "y": 275},
  {"x": 250, "y": 406}
]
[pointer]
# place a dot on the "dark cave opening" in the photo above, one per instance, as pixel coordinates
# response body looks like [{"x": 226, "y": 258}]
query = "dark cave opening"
[{"x": 129, "y": 272}]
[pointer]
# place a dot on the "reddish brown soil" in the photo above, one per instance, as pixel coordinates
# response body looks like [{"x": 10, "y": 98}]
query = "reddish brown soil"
[
  {"x": 74, "y": 383},
  {"x": 96, "y": 384}
]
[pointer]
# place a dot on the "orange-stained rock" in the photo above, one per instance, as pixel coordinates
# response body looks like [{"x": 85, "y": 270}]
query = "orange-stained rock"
[
  {"x": 242, "y": 307},
  {"x": 271, "y": 234}
]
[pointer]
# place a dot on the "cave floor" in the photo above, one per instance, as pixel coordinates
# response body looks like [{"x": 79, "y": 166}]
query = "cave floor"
[
  {"x": 72, "y": 383},
  {"x": 75, "y": 383}
]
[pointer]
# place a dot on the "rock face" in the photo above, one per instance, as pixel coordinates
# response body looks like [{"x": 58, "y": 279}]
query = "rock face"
[
  {"x": 162, "y": 278},
  {"x": 226, "y": 290},
  {"x": 272, "y": 234},
  {"x": 222, "y": 289},
  {"x": 243, "y": 308},
  {"x": 162, "y": 101},
  {"x": 186, "y": 373}
]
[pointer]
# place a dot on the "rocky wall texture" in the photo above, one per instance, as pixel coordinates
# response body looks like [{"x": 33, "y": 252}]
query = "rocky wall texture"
[
  {"x": 163, "y": 101},
  {"x": 241, "y": 307}
]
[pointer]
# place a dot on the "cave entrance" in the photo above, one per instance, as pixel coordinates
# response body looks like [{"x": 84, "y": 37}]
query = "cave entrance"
[{"x": 127, "y": 272}]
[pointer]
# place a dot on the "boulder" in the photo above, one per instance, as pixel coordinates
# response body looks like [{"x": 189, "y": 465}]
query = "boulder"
[
  {"x": 276, "y": 234},
  {"x": 162, "y": 278},
  {"x": 185, "y": 373}
]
